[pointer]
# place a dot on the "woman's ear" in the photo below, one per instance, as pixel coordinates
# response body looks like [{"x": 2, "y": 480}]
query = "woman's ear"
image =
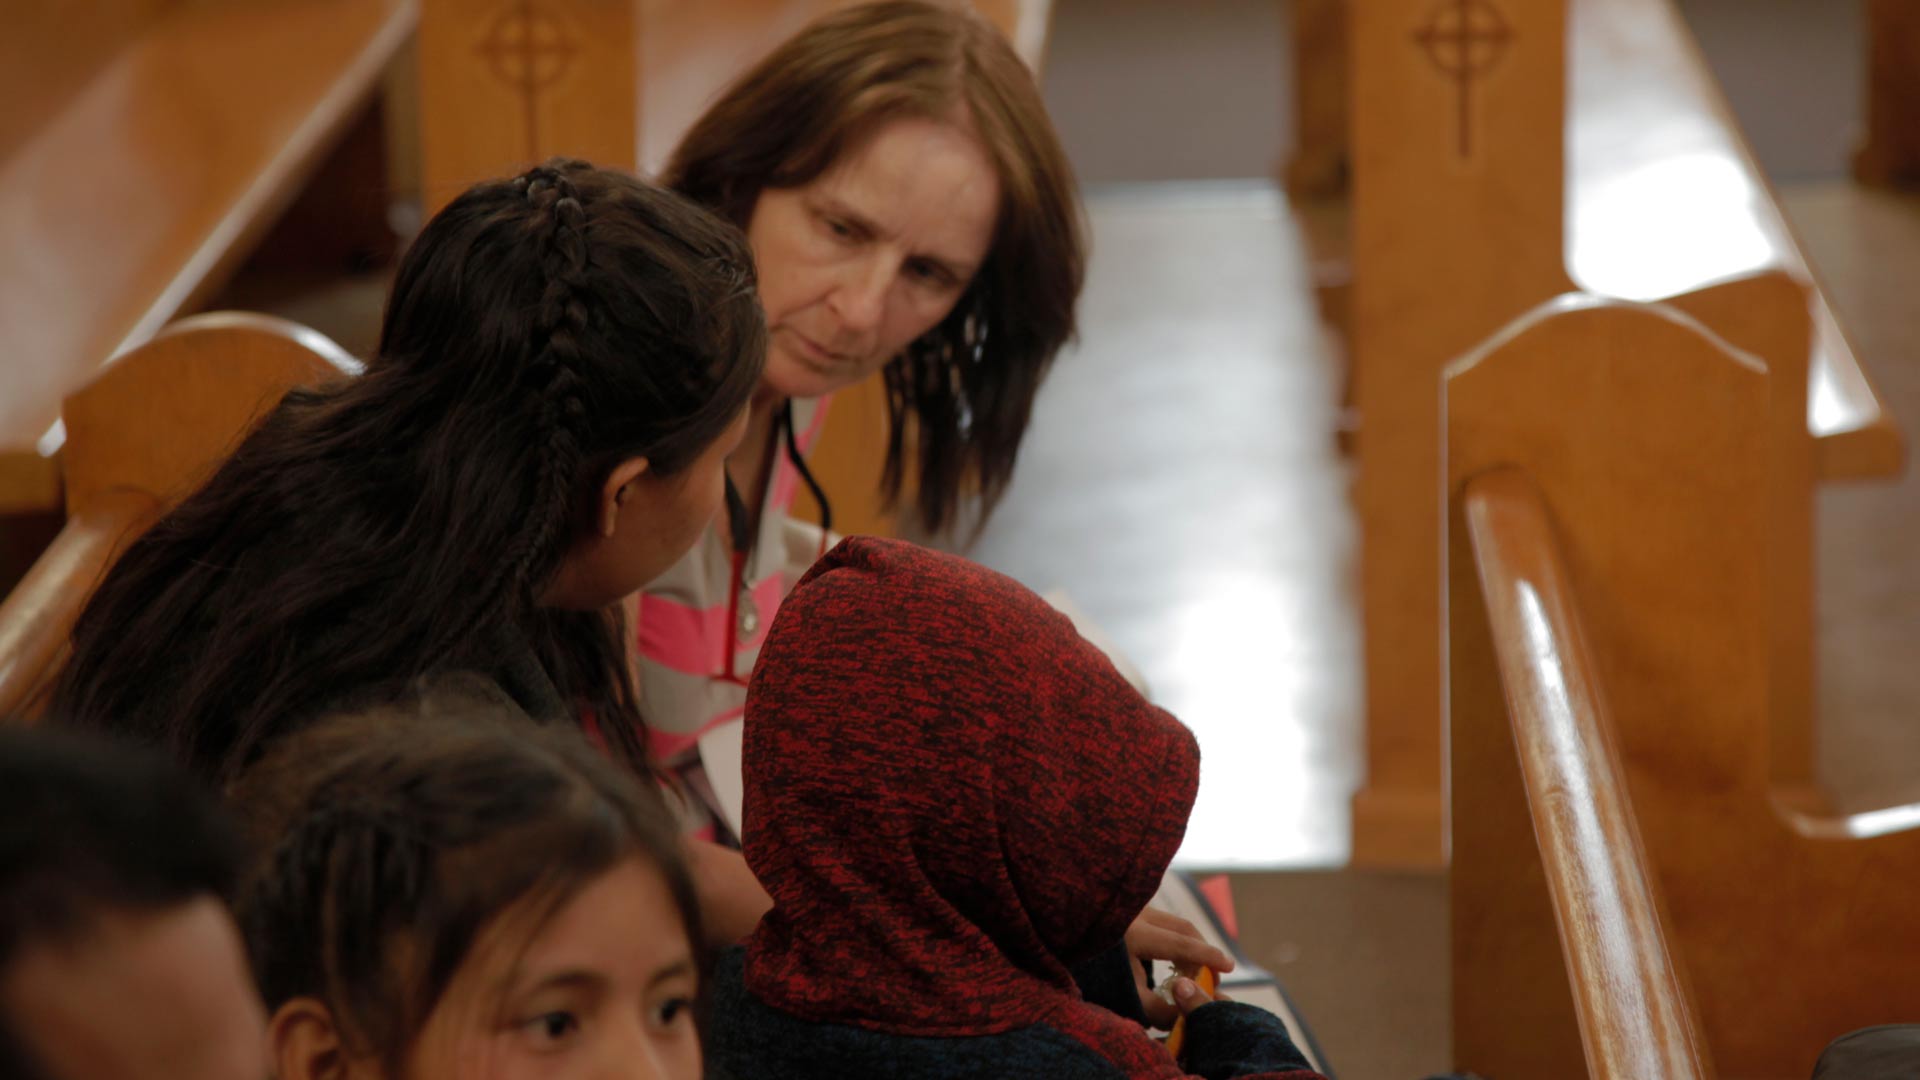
[
  {"x": 305, "y": 1043},
  {"x": 615, "y": 491}
]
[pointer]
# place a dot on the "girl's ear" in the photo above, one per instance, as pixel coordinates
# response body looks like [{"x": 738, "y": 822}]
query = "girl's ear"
[
  {"x": 615, "y": 492},
  {"x": 305, "y": 1044}
]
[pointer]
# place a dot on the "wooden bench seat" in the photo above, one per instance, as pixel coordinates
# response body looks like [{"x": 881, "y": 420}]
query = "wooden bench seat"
[
  {"x": 1648, "y": 130},
  {"x": 1664, "y": 197},
  {"x": 142, "y": 435},
  {"x": 1631, "y": 827},
  {"x": 137, "y": 197},
  {"x": 1592, "y": 153}
]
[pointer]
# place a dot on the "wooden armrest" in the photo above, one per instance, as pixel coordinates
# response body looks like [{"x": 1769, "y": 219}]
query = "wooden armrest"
[
  {"x": 36, "y": 620},
  {"x": 1636, "y": 1019}
]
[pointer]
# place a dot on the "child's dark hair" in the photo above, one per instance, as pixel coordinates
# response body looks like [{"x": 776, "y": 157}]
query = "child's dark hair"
[
  {"x": 380, "y": 851},
  {"x": 540, "y": 331},
  {"x": 92, "y": 827}
]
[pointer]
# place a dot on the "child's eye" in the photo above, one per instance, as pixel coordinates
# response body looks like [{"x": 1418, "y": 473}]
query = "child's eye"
[
  {"x": 553, "y": 1026},
  {"x": 671, "y": 1011}
]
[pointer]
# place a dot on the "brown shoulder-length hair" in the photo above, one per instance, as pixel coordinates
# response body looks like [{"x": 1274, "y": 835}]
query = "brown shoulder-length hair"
[{"x": 965, "y": 389}]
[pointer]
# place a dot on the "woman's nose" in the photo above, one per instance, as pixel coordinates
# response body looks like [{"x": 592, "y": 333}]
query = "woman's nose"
[{"x": 861, "y": 298}]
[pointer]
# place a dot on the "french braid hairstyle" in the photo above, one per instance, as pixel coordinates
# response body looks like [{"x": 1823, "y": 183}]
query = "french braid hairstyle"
[
  {"x": 960, "y": 396},
  {"x": 382, "y": 845},
  {"x": 541, "y": 330}
]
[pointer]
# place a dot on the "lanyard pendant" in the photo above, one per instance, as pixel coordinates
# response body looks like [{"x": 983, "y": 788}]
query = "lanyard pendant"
[{"x": 749, "y": 614}]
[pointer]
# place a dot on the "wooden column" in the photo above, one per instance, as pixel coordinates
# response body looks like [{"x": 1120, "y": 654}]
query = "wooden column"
[
  {"x": 505, "y": 84},
  {"x": 1889, "y": 155},
  {"x": 1318, "y": 166},
  {"x": 1458, "y": 135}
]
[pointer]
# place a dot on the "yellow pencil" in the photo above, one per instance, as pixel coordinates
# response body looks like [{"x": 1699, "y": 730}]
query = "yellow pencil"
[{"x": 1207, "y": 981}]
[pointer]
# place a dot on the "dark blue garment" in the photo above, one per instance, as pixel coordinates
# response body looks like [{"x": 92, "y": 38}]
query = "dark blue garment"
[{"x": 746, "y": 1040}]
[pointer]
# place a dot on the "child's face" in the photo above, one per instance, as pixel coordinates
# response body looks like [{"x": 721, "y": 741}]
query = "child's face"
[{"x": 605, "y": 989}]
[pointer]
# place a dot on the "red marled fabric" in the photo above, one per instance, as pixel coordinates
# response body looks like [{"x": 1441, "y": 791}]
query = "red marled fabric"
[{"x": 951, "y": 796}]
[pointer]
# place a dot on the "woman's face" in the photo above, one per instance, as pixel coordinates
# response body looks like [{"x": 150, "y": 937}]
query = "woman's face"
[
  {"x": 872, "y": 253},
  {"x": 604, "y": 988}
]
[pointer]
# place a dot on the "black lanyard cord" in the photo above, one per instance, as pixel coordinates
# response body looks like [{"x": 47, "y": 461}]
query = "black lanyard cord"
[
  {"x": 737, "y": 526},
  {"x": 800, "y": 465}
]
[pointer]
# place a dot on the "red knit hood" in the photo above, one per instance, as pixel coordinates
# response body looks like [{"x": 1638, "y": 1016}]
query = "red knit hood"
[{"x": 950, "y": 794}]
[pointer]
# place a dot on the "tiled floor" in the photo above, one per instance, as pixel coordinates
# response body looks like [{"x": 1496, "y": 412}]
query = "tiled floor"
[{"x": 1180, "y": 482}]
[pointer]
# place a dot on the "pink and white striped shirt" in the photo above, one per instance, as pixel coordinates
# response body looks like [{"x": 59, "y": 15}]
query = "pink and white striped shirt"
[{"x": 683, "y": 636}]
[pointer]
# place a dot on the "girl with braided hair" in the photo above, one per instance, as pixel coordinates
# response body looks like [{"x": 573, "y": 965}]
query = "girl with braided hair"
[
  {"x": 565, "y": 361},
  {"x": 439, "y": 891}
]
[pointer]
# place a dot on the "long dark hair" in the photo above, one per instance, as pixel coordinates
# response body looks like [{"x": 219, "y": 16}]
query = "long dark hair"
[
  {"x": 966, "y": 387},
  {"x": 540, "y": 331},
  {"x": 382, "y": 846}
]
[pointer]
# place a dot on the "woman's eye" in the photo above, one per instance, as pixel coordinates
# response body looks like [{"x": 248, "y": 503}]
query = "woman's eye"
[
  {"x": 928, "y": 274},
  {"x": 838, "y": 228}
]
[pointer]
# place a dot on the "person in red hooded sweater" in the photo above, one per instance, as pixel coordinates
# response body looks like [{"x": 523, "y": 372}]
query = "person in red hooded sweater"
[{"x": 956, "y": 803}]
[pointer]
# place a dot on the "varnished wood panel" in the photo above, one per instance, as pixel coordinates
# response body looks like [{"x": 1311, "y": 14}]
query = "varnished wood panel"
[
  {"x": 1662, "y": 198},
  {"x": 1456, "y": 226},
  {"x": 144, "y": 191},
  {"x": 1791, "y": 926},
  {"x": 1667, "y": 198},
  {"x": 1635, "y": 1014},
  {"x": 1317, "y": 168},
  {"x": 1647, "y": 438},
  {"x": 50, "y": 49},
  {"x": 37, "y": 617},
  {"x": 140, "y": 437},
  {"x": 506, "y": 84},
  {"x": 1889, "y": 152}
]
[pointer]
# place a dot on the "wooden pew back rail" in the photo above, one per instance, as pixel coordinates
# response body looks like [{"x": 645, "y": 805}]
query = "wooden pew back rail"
[
  {"x": 1647, "y": 449},
  {"x": 140, "y": 195},
  {"x": 148, "y": 431}
]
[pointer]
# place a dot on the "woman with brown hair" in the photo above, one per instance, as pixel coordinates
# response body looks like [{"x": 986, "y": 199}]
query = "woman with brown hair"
[{"x": 911, "y": 214}]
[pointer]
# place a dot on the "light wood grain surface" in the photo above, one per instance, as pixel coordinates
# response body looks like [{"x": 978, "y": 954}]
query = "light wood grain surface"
[
  {"x": 145, "y": 433},
  {"x": 1653, "y": 195},
  {"x": 1635, "y": 1015},
  {"x": 140, "y": 194},
  {"x": 1791, "y": 923}
]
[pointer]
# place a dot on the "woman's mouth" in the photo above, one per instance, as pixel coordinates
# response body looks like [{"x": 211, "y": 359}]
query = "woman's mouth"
[{"x": 814, "y": 355}]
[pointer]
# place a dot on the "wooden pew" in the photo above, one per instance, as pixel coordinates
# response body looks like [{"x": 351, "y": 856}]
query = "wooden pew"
[
  {"x": 1609, "y": 589},
  {"x": 167, "y": 137},
  {"x": 619, "y": 83},
  {"x": 143, "y": 434},
  {"x": 1634, "y": 1012},
  {"x": 1579, "y": 144}
]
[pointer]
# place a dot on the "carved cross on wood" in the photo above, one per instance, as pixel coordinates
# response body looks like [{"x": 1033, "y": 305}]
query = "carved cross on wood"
[
  {"x": 1464, "y": 40},
  {"x": 529, "y": 49}
]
